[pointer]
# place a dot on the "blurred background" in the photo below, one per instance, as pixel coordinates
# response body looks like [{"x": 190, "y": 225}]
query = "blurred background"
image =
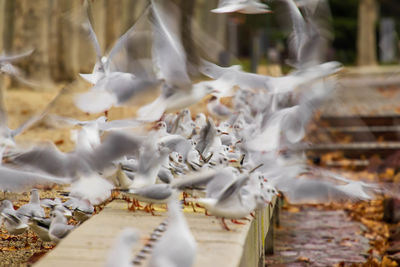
[{"x": 361, "y": 32}]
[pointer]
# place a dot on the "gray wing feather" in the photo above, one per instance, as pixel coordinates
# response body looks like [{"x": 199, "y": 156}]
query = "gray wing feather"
[{"x": 17, "y": 181}]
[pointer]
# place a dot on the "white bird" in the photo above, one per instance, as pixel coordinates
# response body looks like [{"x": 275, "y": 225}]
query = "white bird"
[
  {"x": 74, "y": 164},
  {"x": 91, "y": 187},
  {"x": 41, "y": 228},
  {"x": 82, "y": 208},
  {"x": 32, "y": 209},
  {"x": 59, "y": 227},
  {"x": 178, "y": 92},
  {"x": 241, "y": 6},
  {"x": 14, "y": 180},
  {"x": 230, "y": 202},
  {"x": 12, "y": 222},
  {"x": 183, "y": 251},
  {"x": 121, "y": 253},
  {"x": 113, "y": 87},
  {"x": 8, "y": 68}
]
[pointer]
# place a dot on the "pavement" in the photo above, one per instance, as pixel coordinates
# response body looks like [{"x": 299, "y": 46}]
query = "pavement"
[{"x": 315, "y": 237}]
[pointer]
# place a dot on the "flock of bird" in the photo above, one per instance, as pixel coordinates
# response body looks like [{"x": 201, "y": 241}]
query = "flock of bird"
[{"x": 232, "y": 161}]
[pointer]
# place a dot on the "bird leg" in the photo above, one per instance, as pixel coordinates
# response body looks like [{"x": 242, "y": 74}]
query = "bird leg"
[
  {"x": 224, "y": 224},
  {"x": 237, "y": 222},
  {"x": 184, "y": 196},
  {"x": 193, "y": 207},
  {"x": 199, "y": 206},
  {"x": 149, "y": 209},
  {"x": 137, "y": 203},
  {"x": 114, "y": 194},
  {"x": 127, "y": 200},
  {"x": 132, "y": 207}
]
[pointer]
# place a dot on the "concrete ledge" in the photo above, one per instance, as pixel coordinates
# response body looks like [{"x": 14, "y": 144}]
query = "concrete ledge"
[
  {"x": 370, "y": 70},
  {"x": 89, "y": 244}
]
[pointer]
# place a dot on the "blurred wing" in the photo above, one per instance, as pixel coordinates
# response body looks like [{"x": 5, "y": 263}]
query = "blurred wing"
[
  {"x": 92, "y": 36},
  {"x": 122, "y": 42},
  {"x": 46, "y": 158},
  {"x": 116, "y": 145},
  {"x": 232, "y": 189},
  {"x": 26, "y": 125},
  {"x": 168, "y": 51},
  {"x": 8, "y": 58},
  {"x": 120, "y": 124},
  {"x": 93, "y": 188},
  {"x": 155, "y": 191},
  {"x": 17, "y": 181},
  {"x": 194, "y": 179}
]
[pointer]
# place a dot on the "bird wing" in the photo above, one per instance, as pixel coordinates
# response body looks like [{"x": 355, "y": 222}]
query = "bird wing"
[
  {"x": 8, "y": 58},
  {"x": 168, "y": 52},
  {"x": 116, "y": 145},
  {"x": 17, "y": 181},
  {"x": 30, "y": 122},
  {"x": 232, "y": 189}
]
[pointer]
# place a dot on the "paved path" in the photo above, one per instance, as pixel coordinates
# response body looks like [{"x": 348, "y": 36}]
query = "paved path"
[
  {"x": 313, "y": 237},
  {"x": 365, "y": 95}
]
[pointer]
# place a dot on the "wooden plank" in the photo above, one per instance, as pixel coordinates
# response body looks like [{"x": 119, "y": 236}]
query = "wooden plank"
[{"x": 89, "y": 244}]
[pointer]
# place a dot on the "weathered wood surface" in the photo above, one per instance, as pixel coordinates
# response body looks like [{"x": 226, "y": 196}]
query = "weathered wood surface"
[{"x": 89, "y": 244}]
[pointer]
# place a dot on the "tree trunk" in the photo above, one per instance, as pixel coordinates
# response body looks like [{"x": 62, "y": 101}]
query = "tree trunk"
[
  {"x": 187, "y": 12},
  {"x": 213, "y": 29},
  {"x": 8, "y": 32},
  {"x": 63, "y": 41},
  {"x": 366, "y": 39},
  {"x": 31, "y": 32},
  {"x": 114, "y": 15}
]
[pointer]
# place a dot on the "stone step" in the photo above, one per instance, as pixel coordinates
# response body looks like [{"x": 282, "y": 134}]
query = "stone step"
[
  {"x": 356, "y": 150},
  {"x": 349, "y": 164},
  {"x": 367, "y": 133},
  {"x": 364, "y": 120}
]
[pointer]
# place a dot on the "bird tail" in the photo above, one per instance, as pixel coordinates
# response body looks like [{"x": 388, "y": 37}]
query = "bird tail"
[
  {"x": 152, "y": 111},
  {"x": 95, "y": 101}
]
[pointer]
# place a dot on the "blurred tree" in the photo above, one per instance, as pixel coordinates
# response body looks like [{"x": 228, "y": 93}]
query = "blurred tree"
[
  {"x": 366, "y": 34},
  {"x": 344, "y": 15},
  {"x": 31, "y": 30},
  {"x": 187, "y": 13}
]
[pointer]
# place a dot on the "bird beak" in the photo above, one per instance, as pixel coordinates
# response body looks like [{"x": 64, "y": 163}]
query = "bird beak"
[
  {"x": 265, "y": 180},
  {"x": 225, "y": 133},
  {"x": 279, "y": 194},
  {"x": 232, "y": 160}
]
